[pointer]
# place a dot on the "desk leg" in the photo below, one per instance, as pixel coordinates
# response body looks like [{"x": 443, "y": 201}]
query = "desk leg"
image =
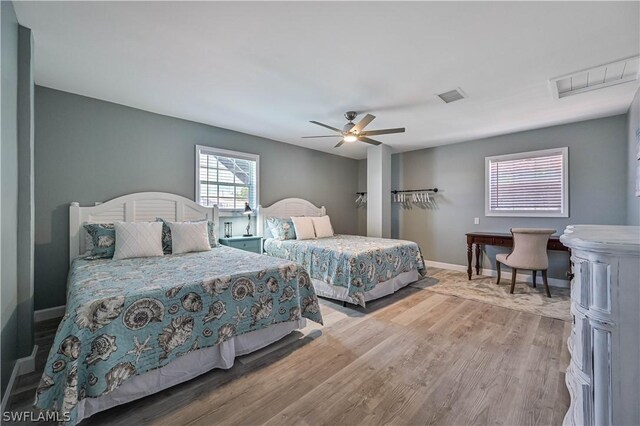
[
  {"x": 478, "y": 253},
  {"x": 469, "y": 259}
]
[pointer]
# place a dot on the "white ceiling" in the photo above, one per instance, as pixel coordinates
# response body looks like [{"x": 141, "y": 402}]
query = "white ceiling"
[{"x": 268, "y": 68}]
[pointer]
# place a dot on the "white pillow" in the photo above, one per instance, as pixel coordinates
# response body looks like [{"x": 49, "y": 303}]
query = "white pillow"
[
  {"x": 189, "y": 236},
  {"x": 322, "y": 226},
  {"x": 138, "y": 239},
  {"x": 304, "y": 228}
]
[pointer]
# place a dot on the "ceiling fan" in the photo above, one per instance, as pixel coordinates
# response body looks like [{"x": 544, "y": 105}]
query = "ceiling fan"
[{"x": 352, "y": 132}]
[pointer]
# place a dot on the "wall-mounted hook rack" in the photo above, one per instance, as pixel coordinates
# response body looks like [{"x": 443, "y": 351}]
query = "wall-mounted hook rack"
[
  {"x": 407, "y": 198},
  {"x": 423, "y": 198},
  {"x": 396, "y": 191}
]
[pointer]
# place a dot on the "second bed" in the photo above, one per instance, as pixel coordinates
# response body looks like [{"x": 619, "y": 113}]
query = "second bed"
[{"x": 350, "y": 268}]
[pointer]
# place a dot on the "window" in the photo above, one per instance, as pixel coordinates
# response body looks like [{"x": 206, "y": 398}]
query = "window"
[
  {"x": 530, "y": 184},
  {"x": 226, "y": 178}
]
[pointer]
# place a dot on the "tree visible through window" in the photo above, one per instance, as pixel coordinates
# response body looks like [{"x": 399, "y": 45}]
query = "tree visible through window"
[
  {"x": 527, "y": 184},
  {"x": 226, "y": 178}
]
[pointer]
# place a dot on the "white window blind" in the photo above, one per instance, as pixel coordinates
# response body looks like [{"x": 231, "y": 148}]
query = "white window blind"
[
  {"x": 527, "y": 184},
  {"x": 226, "y": 178}
]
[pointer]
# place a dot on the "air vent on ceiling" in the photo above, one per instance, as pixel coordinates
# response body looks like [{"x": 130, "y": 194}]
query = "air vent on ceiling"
[
  {"x": 611, "y": 74},
  {"x": 452, "y": 95}
]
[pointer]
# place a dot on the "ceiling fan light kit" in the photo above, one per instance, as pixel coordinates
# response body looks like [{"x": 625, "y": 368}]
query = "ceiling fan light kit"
[{"x": 354, "y": 132}]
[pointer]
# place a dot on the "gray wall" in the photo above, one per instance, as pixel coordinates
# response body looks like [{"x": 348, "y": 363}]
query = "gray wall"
[
  {"x": 16, "y": 206},
  {"x": 9, "y": 188},
  {"x": 88, "y": 150},
  {"x": 597, "y": 187},
  {"x": 633, "y": 202},
  {"x": 26, "y": 202}
]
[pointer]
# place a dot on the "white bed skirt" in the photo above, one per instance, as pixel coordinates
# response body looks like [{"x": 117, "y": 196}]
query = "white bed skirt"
[
  {"x": 187, "y": 367},
  {"x": 381, "y": 289}
]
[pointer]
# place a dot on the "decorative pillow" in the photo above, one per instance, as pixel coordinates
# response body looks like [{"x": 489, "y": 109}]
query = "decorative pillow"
[
  {"x": 138, "y": 239},
  {"x": 166, "y": 234},
  {"x": 322, "y": 226},
  {"x": 189, "y": 236},
  {"x": 103, "y": 240},
  {"x": 88, "y": 244},
  {"x": 304, "y": 228},
  {"x": 281, "y": 228}
]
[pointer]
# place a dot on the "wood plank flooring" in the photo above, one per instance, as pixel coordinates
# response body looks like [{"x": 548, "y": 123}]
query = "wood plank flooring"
[{"x": 415, "y": 357}]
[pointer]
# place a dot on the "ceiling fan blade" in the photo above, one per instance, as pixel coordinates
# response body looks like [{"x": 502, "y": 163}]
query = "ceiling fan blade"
[
  {"x": 363, "y": 123},
  {"x": 371, "y": 141},
  {"x": 326, "y": 126},
  {"x": 339, "y": 144},
  {"x": 382, "y": 131},
  {"x": 324, "y": 136}
]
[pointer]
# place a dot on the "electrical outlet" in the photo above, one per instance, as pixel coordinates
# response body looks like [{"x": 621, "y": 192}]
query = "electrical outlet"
[{"x": 476, "y": 221}]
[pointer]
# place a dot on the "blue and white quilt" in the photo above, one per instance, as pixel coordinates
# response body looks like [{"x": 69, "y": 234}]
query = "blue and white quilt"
[
  {"x": 127, "y": 317},
  {"x": 355, "y": 262}
]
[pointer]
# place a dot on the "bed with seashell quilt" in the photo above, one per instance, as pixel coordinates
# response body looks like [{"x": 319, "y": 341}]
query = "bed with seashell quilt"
[
  {"x": 350, "y": 268},
  {"x": 133, "y": 327},
  {"x": 353, "y": 268}
]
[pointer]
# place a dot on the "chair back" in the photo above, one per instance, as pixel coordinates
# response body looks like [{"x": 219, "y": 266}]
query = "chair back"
[{"x": 530, "y": 248}]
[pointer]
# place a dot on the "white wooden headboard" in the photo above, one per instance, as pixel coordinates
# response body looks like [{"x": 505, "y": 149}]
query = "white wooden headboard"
[
  {"x": 137, "y": 207},
  {"x": 286, "y": 208}
]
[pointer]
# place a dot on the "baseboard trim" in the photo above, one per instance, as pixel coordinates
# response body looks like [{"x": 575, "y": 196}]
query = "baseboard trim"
[
  {"x": 553, "y": 282},
  {"x": 27, "y": 364},
  {"x": 7, "y": 391},
  {"x": 48, "y": 313},
  {"x": 22, "y": 366}
]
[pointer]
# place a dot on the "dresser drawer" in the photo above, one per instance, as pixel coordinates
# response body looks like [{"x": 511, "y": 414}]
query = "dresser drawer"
[
  {"x": 484, "y": 240},
  {"x": 253, "y": 245},
  {"x": 502, "y": 242},
  {"x": 580, "y": 412},
  {"x": 601, "y": 374},
  {"x": 581, "y": 342},
  {"x": 581, "y": 282},
  {"x": 600, "y": 288},
  {"x": 591, "y": 283}
]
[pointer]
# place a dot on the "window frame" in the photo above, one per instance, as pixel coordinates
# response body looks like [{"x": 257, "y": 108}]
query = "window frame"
[
  {"x": 231, "y": 154},
  {"x": 564, "y": 212}
]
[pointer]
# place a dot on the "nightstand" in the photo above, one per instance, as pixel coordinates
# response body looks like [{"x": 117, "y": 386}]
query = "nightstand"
[{"x": 253, "y": 244}]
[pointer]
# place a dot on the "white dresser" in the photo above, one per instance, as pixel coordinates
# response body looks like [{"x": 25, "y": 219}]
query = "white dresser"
[{"x": 603, "y": 377}]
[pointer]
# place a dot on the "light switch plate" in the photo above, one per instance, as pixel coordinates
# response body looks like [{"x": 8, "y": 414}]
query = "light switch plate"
[{"x": 476, "y": 221}]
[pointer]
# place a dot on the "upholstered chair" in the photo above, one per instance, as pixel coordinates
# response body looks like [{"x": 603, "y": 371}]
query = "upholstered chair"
[{"x": 529, "y": 253}]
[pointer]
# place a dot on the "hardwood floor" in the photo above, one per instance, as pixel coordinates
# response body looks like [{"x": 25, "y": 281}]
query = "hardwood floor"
[{"x": 415, "y": 357}]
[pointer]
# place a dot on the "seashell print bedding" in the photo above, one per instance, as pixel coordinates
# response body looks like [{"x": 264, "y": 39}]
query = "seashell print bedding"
[
  {"x": 127, "y": 317},
  {"x": 352, "y": 261}
]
